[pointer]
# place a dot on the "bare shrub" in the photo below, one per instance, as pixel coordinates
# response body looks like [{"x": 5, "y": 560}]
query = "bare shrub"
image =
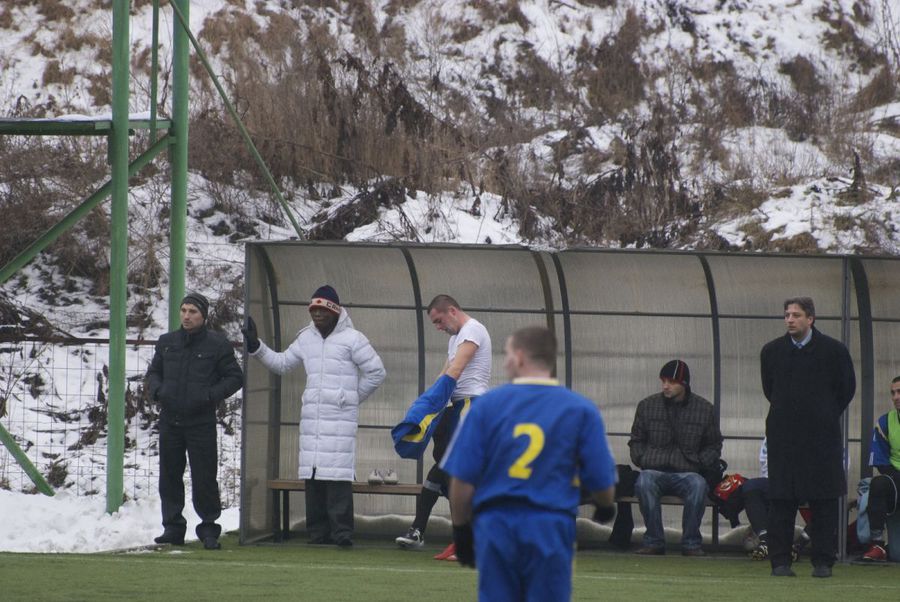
[
  {"x": 803, "y": 110},
  {"x": 800, "y": 243},
  {"x": 537, "y": 84},
  {"x": 803, "y": 75},
  {"x": 843, "y": 37},
  {"x": 6, "y": 22},
  {"x": 54, "y": 74},
  {"x": 53, "y": 10},
  {"x": 100, "y": 89},
  {"x": 756, "y": 237},
  {"x": 610, "y": 72},
  {"x": 43, "y": 179},
  {"x": 318, "y": 113},
  {"x": 882, "y": 89},
  {"x": 636, "y": 203},
  {"x": 736, "y": 198},
  {"x": 57, "y": 473}
]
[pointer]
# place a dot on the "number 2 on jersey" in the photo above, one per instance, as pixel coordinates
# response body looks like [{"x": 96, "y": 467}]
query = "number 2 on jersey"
[{"x": 521, "y": 468}]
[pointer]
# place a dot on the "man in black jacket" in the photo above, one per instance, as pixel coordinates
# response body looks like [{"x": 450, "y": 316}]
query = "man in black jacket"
[
  {"x": 675, "y": 438},
  {"x": 193, "y": 370},
  {"x": 809, "y": 381}
]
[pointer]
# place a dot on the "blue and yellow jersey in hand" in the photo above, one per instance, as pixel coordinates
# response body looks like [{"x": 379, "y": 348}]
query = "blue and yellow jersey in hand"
[{"x": 534, "y": 443}]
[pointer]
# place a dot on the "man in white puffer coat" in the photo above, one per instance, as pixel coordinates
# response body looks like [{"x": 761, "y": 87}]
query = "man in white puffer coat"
[{"x": 342, "y": 370}]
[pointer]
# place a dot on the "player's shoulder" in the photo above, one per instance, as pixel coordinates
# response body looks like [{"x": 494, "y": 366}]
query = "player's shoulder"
[{"x": 472, "y": 326}]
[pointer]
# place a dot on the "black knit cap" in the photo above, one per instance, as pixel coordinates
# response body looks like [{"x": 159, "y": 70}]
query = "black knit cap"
[
  {"x": 677, "y": 371},
  {"x": 327, "y": 297},
  {"x": 198, "y": 301}
]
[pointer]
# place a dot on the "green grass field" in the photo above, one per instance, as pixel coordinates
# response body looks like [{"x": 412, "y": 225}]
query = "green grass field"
[{"x": 375, "y": 571}]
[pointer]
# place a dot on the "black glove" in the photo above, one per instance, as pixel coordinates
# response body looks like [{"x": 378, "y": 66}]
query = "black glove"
[
  {"x": 251, "y": 339},
  {"x": 464, "y": 541},
  {"x": 604, "y": 514}
]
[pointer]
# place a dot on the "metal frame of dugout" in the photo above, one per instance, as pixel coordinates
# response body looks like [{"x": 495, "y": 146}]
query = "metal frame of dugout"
[{"x": 618, "y": 314}]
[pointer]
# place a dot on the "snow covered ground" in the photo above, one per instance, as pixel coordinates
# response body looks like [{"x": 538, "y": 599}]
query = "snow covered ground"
[{"x": 68, "y": 523}]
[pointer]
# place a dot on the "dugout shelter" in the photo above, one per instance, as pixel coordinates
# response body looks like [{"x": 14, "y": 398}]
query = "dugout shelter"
[{"x": 619, "y": 316}]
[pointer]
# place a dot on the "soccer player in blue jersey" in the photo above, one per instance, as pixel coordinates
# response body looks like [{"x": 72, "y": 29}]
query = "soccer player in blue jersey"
[
  {"x": 884, "y": 490},
  {"x": 517, "y": 463}
]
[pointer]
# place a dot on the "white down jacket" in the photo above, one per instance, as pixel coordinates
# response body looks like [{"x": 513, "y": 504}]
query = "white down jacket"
[{"x": 342, "y": 370}]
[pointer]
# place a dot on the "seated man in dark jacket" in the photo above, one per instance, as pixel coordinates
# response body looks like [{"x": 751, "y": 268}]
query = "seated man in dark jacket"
[
  {"x": 675, "y": 437},
  {"x": 193, "y": 370}
]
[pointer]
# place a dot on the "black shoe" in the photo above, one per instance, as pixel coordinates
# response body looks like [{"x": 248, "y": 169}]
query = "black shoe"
[
  {"x": 783, "y": 571},
  {"x": 321, "y": 541},
  {"x": 211, "y": 543},
  {"x": 169, "y": 537},
  {"x": 651, "y": 551},
  {"x": 344, "y": 544},
  {"x": 822, "y": 570}
]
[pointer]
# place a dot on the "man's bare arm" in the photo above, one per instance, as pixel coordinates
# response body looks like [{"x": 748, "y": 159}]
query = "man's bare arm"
[{"x": 464, "y": 354}]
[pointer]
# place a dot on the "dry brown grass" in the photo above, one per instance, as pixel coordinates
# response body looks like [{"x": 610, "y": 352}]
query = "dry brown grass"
[
  {"x": 882, "y": 89},
  {"x": 804, "y": 243},
  {"x": 54, "y": 74},
  {"x": 843, "y": 37},
  {"x": 317, "y": 113},
  {"x": 42, "y": 180},
  {"x": 610, "y": 72},
  {"x": 6, "y": 18},
  {"x": 54, "y": 10}
]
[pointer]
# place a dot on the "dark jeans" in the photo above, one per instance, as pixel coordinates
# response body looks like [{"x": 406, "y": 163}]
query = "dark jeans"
[
  {"x": 690, "y": 487},
  {"x": 198, "y": 443},
  {"x": 823, "y": 530},
  {"x": 329, "y": 511}
]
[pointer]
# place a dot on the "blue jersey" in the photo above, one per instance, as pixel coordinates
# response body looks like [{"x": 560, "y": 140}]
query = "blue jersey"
[
  {"x": 883, "y": 453},
  {"x": 532, "y": 443}
]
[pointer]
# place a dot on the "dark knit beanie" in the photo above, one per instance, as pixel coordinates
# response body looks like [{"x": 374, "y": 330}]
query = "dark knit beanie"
[
  {"x": 677, "y": 371},
  {"x": 327, "y": 297},
  {"x": 198, "y": 301}
]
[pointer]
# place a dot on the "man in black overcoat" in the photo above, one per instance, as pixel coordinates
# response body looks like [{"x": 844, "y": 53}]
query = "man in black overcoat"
[{"x": 809, "y": 381}]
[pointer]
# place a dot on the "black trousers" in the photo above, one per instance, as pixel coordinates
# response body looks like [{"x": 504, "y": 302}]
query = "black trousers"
[
  {"x": 197, "y": 443},
  {"x": 437, "y": 482},
  {"x": 329, "y": 511},
  {"x": 823, "y": 530},
  {"x": 883, "y": 494},
  {"x": 756, "y": 504}
]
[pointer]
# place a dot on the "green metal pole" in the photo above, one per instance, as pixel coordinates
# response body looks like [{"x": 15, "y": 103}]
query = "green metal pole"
[
  {"x": 33, "y": 473},
  {"x": 79, "y": 212},
  {"x": 154, "y": 69},
  {"x": 178, "y": 161},
  {"x": 118, "y": 268},
  {"x": 244, "y": 133}
]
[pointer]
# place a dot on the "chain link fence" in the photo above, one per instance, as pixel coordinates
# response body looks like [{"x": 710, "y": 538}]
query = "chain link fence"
[{"x": 53, "y": 401}]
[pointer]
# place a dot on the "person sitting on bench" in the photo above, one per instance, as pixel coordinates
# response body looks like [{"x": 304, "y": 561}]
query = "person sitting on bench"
[{"x": 675, "y": 438}]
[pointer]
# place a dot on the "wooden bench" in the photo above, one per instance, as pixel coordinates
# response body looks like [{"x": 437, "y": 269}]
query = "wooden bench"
[
  {"x": 281, "y": 504},
  {"x": 281, "y": 520},
  {"x": 671, "y": 500}
]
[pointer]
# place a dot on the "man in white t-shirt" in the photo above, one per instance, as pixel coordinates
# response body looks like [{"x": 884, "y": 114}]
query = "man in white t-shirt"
[{"x": 469, "y": 362}]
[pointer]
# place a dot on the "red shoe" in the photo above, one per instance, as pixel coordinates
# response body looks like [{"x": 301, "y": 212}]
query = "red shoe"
[
  {"x": 875, "y": 553},
  {"x": 447, "y": 553}
]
